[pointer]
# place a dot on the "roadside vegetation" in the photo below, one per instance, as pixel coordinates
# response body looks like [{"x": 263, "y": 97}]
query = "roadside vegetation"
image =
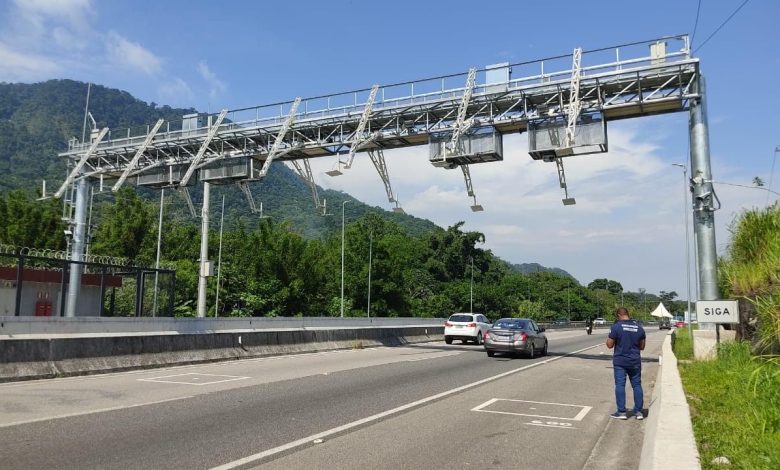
[
  {"x": 735, "y": 407},
  {"x": 270, "y": 269},
  {"x": 735, "y": 399}
]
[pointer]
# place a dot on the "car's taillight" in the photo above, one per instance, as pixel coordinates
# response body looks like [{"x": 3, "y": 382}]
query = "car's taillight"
[
  {"x": 521, "y": 336},
  {"x": 486, "y": 337},
  {"x": 472, "y": 325},
  {"x": 446, "y": 323}
]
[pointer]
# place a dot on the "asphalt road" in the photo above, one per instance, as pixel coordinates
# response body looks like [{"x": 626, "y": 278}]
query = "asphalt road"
[{"x": 420, "y": 406}]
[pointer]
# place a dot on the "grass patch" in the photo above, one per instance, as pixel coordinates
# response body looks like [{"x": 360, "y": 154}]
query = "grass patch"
[
  {"x": 735, "y": 407},
  {"x": 682, "y": 344}
]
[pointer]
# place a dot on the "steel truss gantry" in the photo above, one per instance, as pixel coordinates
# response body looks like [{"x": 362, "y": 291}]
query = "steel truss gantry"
[
  {"x": 406, "y": 114},
  {"x": 620, "y": 82}
]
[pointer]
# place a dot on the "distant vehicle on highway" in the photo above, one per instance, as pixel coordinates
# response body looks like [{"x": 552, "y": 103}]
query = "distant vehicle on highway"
[
  {"x": 516, "y": 335},
  {"x": 599, "y": 321},
  {"x": 665, "y": 324},
  {"x": 466, "y": 327},
  {"x": 679, "y": 324},
  {"x": 562, "y": 321}
]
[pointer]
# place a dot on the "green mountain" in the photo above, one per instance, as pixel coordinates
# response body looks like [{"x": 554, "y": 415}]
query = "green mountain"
[
  {"x": 528, "y": 268},
  {"x": 37, "y": 120}
]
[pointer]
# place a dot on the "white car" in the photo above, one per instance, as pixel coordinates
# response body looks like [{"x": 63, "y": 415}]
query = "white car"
[
  {"x": 599, "y": 321},
  {"x": 466, "y": 327}
]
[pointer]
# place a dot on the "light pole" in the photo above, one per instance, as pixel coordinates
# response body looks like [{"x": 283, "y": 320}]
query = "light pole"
[
  {"x": 471, "y": 291},
  {"x": 343, "y": 204},
  {"x": 219, "y": 256},
  {"x": 370, "y": 247},
  {"x": 157, "y": 262},
  {"x": 642, "y": 291},
  {"x": 687, "y": 247}
]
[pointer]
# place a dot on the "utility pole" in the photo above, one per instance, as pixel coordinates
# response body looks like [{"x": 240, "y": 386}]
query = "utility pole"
[
  {"x": 687, "y": 247},
  {"x": 157, "y": 261},
  {"x": 471, "y": 294},
  {"x": 343, "y": 204},
  {"x": 204, "y": 251},
  {"x": 370, "y": 246},
  {"x": 219, "y": 257}
]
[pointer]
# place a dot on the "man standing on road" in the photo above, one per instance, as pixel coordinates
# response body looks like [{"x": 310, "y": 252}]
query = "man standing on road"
[{"x": 628, "y": 338}]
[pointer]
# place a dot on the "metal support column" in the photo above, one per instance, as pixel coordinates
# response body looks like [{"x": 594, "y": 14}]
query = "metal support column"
[
  {"x": 102, "y": 310},
  {"x": 19, "y": 283},
  {"x": 139, "y": 292},
  {"x": 171, "y": 293},
  {"x": 703, "y": 198},
  {"x": 77, "y": 246},
  {"x": 204, "y": 251}
]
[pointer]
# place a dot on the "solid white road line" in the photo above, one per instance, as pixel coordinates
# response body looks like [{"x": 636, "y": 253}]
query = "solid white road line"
[
  {"x": 83, "y": 413},
  {"x": 384, "y": 414}
]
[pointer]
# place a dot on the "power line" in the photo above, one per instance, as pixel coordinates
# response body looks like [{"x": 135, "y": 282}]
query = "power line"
[
  {"x": 696, "y": 23},
  {"x": 721, "y": 25}
]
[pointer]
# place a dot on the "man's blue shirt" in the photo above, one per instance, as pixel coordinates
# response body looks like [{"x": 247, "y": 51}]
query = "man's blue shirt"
[{"x": 627, "y": 335}]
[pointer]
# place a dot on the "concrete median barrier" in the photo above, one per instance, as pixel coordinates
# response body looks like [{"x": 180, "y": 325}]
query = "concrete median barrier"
[{"x": 57, "y": 356}]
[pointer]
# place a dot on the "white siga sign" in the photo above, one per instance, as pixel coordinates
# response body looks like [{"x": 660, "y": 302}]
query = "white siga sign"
[{"x": 717, "y": 311}]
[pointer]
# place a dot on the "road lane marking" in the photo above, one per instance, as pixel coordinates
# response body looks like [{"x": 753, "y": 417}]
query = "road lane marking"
[
  {"x": 578, "y": 417},
  {"x": 190, "y": 378},
  {"x": 83, "y": 413},
  {"x": 551, "y": 424},
  {"x": 354, "y": 424}
]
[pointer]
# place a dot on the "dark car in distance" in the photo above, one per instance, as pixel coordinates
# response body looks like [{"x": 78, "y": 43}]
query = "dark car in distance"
[{"x": 515, "y": 335}]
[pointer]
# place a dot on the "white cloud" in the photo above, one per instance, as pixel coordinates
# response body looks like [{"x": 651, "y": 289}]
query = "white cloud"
[
  {"x": 176, "y": 91},
  {"x": 131, "y": 55},
  {"x": 216, "y": 86},
  {"x": 15, "y": 66}
]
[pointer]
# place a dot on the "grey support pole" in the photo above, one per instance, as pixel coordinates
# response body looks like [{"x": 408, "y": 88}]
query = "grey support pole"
[
  {"x": 703, "y": 198},
  {"x": 77, "y": 247},
  {"x": 204, "y": 251}
]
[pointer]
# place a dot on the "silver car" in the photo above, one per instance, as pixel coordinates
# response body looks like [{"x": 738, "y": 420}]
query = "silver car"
[{"x": 515, "y": 335}]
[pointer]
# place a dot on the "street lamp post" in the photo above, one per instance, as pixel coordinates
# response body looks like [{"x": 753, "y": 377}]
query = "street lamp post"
[
  {"x": 343, "y": 204},
  {"x": 687, "y": 247},
  {"x": 370, "y": 247},
  {"x": 471, "y": 291}
]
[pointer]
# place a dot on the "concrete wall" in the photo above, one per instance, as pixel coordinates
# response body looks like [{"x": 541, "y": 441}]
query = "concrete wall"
[
  {"x": 33, "y": 358},
  {"x": 14, "y": 327}
]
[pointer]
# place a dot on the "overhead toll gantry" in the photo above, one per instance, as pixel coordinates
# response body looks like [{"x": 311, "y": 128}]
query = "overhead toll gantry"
[{"x": 563, "y": 102}]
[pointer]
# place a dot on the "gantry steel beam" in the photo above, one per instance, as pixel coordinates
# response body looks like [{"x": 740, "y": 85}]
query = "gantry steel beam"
[
  {"x": 360, "y": 140},
  {"x": 204, "y": 145},
  {"x": 131, "y": 166},
  {"x": 83, "y": 159},
  {"x": 303, "y": 169},
  {"x": 378, "y": 159}
]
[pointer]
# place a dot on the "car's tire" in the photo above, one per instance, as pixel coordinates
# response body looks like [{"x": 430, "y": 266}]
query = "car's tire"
[
  {"x": 448, "y": 340},
  {"x": 491, "y": 353},
  {"x": 532, "y": 352},
  {"x": 479, "y": 339},
  {"x": 544, "y": 351}
]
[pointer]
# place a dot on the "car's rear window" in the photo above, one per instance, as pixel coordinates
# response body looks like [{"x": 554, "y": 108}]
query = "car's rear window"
[
  {"x": 512, "y": 324},
  {"x": 462, "y": 318}
]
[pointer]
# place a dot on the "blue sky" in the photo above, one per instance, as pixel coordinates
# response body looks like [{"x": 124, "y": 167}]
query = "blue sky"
[{"x": 628, "y": 222}]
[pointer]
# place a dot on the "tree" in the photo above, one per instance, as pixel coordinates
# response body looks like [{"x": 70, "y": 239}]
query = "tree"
[
  {"x": 613, "y": 287},
  {"x": 667, "y": 297},
  {"x": 124, "y": 226}
]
